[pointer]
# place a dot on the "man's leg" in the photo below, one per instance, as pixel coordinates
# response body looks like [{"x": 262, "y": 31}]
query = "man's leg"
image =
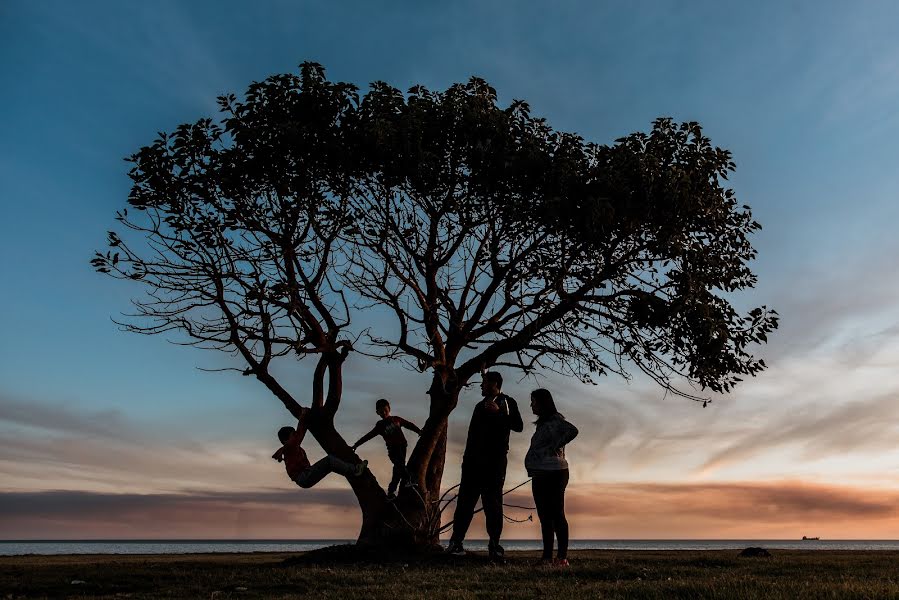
[
  {"x": 318, "y": 471},
  {"x": 469, "y": 491},
  {"x": 492, "y": 500}
]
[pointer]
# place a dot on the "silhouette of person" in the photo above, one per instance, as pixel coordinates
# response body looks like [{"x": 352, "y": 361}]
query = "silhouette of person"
[
  {"x": 297, "y": 464},
  {"x": 484, "y": 464},
  {"x": 389, "y": 427},
  {"x": 548, "y": 468}
]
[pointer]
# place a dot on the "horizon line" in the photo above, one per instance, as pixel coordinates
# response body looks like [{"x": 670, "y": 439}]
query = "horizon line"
[{"x": 350, "y": 540}]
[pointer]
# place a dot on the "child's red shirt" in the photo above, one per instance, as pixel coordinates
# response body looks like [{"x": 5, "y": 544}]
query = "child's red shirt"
[{"x": 295, "y": 460}]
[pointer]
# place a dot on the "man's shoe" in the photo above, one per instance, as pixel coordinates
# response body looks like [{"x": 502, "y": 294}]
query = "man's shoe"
[
  {"x": 496, "y": 552},
  {"x": 561, "y": 563},
  {"x": 360, "y": 468},
  {"x": 455, "y": 548}
]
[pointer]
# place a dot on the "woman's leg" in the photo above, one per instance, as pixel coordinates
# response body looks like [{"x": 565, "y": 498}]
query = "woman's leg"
[
  {"x": 542, "y": 500},
  {"x": 559, "y": 520}
]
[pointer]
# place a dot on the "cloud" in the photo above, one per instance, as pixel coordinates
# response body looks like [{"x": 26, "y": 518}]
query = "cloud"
[
  {"x": 778, "y": 501},
  {"x": 46, "y": 444},
  {"x": 58, "y": 417},
  {"x": 741, "y": 510},
  {"x": 296, "y": 513},
  {"x": 744, "y": 510},
  {"x": 826, "y": 307},
  {"x": 862, "y": 425}
]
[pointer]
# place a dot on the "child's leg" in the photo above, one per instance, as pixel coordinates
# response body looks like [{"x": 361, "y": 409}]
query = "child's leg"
[
  {"x": 397, "y": 456},
  {"x": 318, "y": 471}
]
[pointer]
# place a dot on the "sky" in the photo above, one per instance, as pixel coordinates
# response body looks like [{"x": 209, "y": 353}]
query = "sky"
[{"x": 105, "y": 434}]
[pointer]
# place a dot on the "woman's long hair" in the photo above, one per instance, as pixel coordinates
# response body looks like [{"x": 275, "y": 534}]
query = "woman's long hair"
[{"x": 545, "y": 405}]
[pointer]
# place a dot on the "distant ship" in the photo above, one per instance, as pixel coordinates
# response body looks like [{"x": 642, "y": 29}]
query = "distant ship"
[{"x": 809, "y": 539}]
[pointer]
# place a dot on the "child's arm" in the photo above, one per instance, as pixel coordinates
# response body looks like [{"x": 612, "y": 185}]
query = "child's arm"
[
  {"x": 409, "y": 425},
  {"x": 366, "y": 437},
  {"x": 296, "y": 438},
  {"x": 374, "y": 431}
]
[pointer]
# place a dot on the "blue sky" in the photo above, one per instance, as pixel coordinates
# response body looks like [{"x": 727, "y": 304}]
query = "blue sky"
[{"x": 805, "y": 94}]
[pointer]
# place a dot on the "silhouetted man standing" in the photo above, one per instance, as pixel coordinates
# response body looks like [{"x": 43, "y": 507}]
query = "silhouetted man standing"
[{"x": 484, "y": 464}]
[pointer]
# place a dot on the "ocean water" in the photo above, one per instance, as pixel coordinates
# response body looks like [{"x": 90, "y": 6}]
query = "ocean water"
[{"x": 22, "y": 547}]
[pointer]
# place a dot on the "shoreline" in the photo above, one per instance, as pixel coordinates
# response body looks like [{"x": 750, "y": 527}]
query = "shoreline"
[{"x": 163, "y": 547}]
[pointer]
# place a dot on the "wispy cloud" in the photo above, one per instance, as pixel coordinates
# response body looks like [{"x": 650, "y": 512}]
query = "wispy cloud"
[
  {"x": 45, "y": 442},
  {"x": 784, "y": 509},
  {"x": 857, "y": 426},
  {"x": 61, "y": 418},
  {"x": 316, "y": 513}
]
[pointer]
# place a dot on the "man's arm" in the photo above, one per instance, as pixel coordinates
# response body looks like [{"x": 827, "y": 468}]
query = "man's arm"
[
  {"x": 515, "y": 422},
  {"x": 366, "y": 437},
  {"x": 279, "y": 454},
  {"x": 409, "y": 425}
]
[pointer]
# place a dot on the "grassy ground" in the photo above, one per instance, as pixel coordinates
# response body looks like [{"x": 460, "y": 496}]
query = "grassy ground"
[{"x": 593, "y": 574}]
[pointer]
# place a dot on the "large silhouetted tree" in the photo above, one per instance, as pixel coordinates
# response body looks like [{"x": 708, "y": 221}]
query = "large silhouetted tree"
[{"x": 489, "y": 237}]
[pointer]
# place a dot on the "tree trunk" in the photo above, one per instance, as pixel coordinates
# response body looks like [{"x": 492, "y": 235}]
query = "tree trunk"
[
  {"x": 412, "y": 520},
  {"x": 420, "y": 506}
]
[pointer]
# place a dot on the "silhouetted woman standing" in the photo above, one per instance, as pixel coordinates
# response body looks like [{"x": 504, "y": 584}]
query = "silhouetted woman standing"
[{"x": 546, "y": 464}]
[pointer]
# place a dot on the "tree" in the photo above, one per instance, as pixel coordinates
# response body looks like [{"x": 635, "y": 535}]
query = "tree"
[{"x": 491, "y": 239}]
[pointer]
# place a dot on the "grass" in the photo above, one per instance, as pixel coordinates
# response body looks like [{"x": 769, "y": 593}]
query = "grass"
[{"x": 593, "y": 574}]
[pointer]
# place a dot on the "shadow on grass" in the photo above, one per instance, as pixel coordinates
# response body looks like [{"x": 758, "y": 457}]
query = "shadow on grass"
[{"x": 351, "y": 554}]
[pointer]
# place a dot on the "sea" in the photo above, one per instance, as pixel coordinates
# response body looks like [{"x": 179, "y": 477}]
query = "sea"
[{"x": 47, "y": 547}]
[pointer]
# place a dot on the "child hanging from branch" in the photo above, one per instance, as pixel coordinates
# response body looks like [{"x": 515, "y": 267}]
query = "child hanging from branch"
[{"x": 297, "y": 464}]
